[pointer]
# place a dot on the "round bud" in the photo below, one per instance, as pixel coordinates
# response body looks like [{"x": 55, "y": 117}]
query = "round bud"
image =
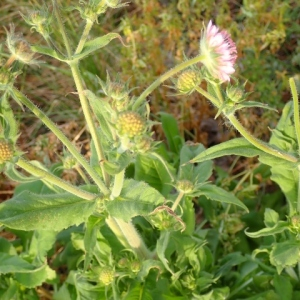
[
  {"x": 130, "y": 124},
  {"x": 6, "y": 151},
  {"x": 187, "y": 81},
  {"x": 184, "y": 186},
  {"x": 135, "y": 266},
  {"x": 235, "y": 94},
  {"x": 106, "y": 275}
]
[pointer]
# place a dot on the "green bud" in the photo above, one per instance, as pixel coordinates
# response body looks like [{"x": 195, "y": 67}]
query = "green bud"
[
  {"x": 6, "y": 150},
  {"x": 123, "y": 263},
  {"x": 184, "y": 186},
  {"x": 235, "y": 94},
  {"x": 130, "y": 124},
  {"x": 187, "y": 81},
  {"x": 106, "y": 275},
  {"x": 135, "y": 266},
  {"x": 188, "y": 281}
]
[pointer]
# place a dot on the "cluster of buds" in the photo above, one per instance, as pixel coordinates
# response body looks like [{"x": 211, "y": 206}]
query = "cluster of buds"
[
  {"x": 6, "y": 150},
  {"x": 19, "y": 48}
]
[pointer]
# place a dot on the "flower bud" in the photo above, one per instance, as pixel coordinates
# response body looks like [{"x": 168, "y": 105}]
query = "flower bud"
[
  {"x": 19, "y": 48},
  {"x": 235, "y": 94},
  {"x": 187, "y": 81},
  {"x": 123, "y": 263},
  {"x": 6, "y": 151},
  {"x": 69, "y": 162},
  {"x": 184, "y": 186},
  {"x": 135, "y": 266},
  {"x": 106, "y": 275},
  {"x": 130, "y": 124},
  {"x": 143, "y": 143}
]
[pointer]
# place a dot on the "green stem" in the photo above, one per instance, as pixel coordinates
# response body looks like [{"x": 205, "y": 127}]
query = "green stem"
[
  {"x": 118, "y": 185},
  {"x": 45, "y": 175},
  {"x": 17, "y": 95},
  {"x": 177, "y": 201},
  {"x": 129, "y": 237},
  {"x": 84, "y": 36},
  {"x": 164, "y": 164},
  {"x": 88, "y": 117},
  {"x": 166, "y": 76},
  {"x": 258, "y": 143},
  {"x": 62, "y": 29},
  {"x": 296, "y": 110},
  {"x": 82, "y": 174},
  {"x": 210, "y": 97}
]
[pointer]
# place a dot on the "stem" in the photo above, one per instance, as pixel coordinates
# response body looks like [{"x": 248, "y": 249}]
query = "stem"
[
  {"x": 258, "y": 143},
  {"x": 62, "y": 29},
  {"x": 175, "y": 204},
  {"x": 88, "y": 117},
  {"x": 296, "y": 110},
  {"x": 84, "y": 36},
  {"x": 210, "y": 97},
  {"x": 129, "y": 237},
  {"x": 166, "y": 76},
  {"x": 164, "y": 164},
  {"x": 118, "y": 185},
  {"x": 59, "y": 134},
  {"x": 45, "y": 175},
  {"x": 82, "y": 174}
]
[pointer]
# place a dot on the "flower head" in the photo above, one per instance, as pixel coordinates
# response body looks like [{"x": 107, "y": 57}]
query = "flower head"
[{"x": 220, "y": 52}]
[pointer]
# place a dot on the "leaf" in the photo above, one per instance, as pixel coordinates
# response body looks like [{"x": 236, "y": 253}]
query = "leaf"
[
  {"x": 283, "y": 287},
  {"x": 285, "y": 254},
  {"x": 47, "y": 51},
  {"x": 139, "y": 292},
  {"x": 35, "y": 277},
  {"x": 29, "y": 211},
  {"x": 278, "y": 228},
  {"x": 96, "y": 44},
  {"x": 271, "y": 217},
  {"x": 147, "y": 265},
  {"x": 150, "y": 169},
  {"x": 249, "y": 104},
  {"x": 136, "y": 198},
  {"x": 41, "y": 242},
  {"x": 218, "y": 194},
  {"x": 189, "y": 171},
  {"x": 161, "y": 246},
  {"x": 170, "y": 128},
  {"x": 12, "y": 263},
  {"x": 12, "y": 173}
]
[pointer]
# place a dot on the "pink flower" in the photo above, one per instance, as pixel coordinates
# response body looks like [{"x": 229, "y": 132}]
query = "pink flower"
[{"x": 220, "y": 52}]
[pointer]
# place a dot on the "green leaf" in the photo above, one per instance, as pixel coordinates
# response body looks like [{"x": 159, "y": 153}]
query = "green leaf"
[
  {"x": 188, "y": 171},
  {"x": 147, "y": 265},
  {"x": 278, "y": 228},
  {"x": 285, "y": 254},
  {"x": 90, "y": 238},
  {"x": 136, "y": 198},
  {"x": 41, "y": 242},
  {"x": 171, "y": 130},
  {"x": 7, "y": 247},
  {"x": 161, "y": 246},
  {"x": 283, "y": 287},
  {"x": 271, "y": 217},
  {"x": 12, "y": 263},
  {"x": 117, "y": 162},
  {"x": 29, "y": 211},
  {"x": 12, "y": 173},
  {"x": 139, "y": 292},
  {"x": 47, "y": 51},
  {"x": 150, "y": 169},
  {"x": 249, "y": 104},
  {"x": 36, "y": 277},
  {"x": 96, "y": 44},
  {"x": 218, "y": 194}
]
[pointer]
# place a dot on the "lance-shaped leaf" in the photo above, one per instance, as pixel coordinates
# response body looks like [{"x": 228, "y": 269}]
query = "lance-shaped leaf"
[
  {"x": 96, "y": 44},
  {"x": 48, "y": 52},
  {"x": 136, "y": 198},
  {"x": 215, "y": 193},
  {"x": 278, "y": 228},
  {"x": 248, "y": 104},
  {"x": 29, "y": 211}
]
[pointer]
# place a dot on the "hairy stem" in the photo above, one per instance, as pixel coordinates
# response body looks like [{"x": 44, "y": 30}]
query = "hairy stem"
[
  {"x": 88, "y": 117},
  {"x": 129, "y": 237},
  {"x": 258, "y": 143},
  {"x": 46, "y": 176},
  {"x": 166, "y": 76},
  {"x": 177, "y": 201},
  {"x": 84, "y": 36},
  {"x": 118, "y": 185},
  {"x": 60, "y": 135}
]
